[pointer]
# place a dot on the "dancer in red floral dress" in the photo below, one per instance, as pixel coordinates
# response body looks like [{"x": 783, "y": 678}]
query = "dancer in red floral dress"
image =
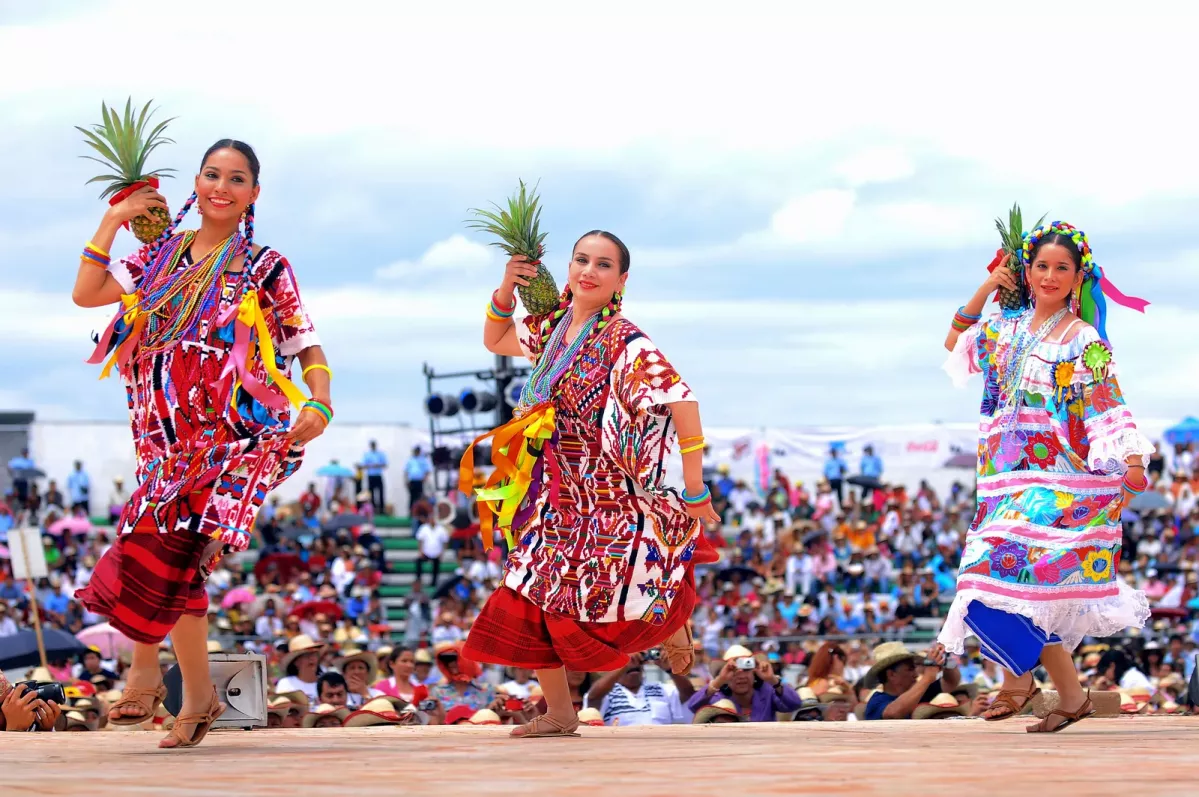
[
  {"x": 601, "y": 550},
  {"x": 208, "y": 327}
]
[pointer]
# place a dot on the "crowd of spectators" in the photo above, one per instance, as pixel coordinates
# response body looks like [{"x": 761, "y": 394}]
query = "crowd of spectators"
[{"x": 823, "y": 607}]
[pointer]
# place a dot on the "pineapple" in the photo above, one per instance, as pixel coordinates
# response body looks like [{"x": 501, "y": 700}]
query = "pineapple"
[
  {"x": 1012, "y": 237},
  {"x": 518, "y": 230},
  {"x": 124, "y": 145}
]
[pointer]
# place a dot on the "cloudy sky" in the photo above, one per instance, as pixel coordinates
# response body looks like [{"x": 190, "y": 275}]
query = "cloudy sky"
[{"x": 807, "y": 196}]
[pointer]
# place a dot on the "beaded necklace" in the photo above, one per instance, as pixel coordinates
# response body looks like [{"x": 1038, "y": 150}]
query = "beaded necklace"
[
  {"x": 1024, "y": 343},
  {"x": 554, "y": 361},
  {"x": 176, "y": 299}
]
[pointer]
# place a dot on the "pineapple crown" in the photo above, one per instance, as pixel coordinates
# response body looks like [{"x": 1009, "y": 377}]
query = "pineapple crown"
[{"x": 1096, "y": 286}]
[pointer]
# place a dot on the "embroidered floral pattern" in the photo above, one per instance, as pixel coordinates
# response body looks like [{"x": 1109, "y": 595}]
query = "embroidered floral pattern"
[
  {"x": 1008, "y": 559},
  {"x": 1042, "y": 450}
]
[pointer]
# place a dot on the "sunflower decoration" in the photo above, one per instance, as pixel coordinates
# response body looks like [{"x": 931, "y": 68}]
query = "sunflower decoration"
[
  {"x": 1097, "y": 357},
  {"x": 1097, "y": 566},
  {"x": 1063, "y": 377}
]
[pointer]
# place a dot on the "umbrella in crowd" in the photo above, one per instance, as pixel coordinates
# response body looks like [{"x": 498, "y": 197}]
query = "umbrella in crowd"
[
  {"x": 1185, "y": 432},
  {"x": 109, "y": 641},
  {"x": 70, "y": 525},
  {"x": 328, "y": 608},
  {"x": 20, "y": 649},
  {"x": 1148, "y": 502},
  {"x": 343, "y": 522},
  {"x": 27, "y": 474},
  {"x": 446, "y": 587},
  {"x": 869, "y": 482},
  {"x": 285, "y": 564},
  {"x": 746, "y": 573},
  {"x": 335, "y": 471},
  {"x": 237, "y": 595}
]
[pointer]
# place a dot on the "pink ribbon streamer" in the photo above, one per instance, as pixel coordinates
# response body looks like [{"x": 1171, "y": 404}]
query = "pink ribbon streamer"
[
  {"x": 238, "y": 362},
  {"x": 101, "y": 351},
  {"x": 1131, "y": 302}
]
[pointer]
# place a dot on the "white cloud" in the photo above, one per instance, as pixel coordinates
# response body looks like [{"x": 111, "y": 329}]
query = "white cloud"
[
  {"x": 818, "y": 217},
  {"x": 452, "y": 257},
  {"x": 876, "y": 165}
]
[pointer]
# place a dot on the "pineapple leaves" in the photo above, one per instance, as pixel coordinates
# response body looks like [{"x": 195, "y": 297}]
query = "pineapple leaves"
[
  {"x": 123, "y": 144},
  {"x": 518, "y": 226}
]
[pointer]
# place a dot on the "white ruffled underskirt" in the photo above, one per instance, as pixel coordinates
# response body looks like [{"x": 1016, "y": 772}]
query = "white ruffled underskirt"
[{"x": 1072, "y": 620}]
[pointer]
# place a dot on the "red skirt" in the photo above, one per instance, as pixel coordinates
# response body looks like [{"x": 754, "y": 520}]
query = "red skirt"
[{"x": 146, "y": 581}]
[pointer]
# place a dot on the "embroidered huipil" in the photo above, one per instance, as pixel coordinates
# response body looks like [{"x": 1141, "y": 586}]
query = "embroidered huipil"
[
  {"x": 208, "y": 451},
  {"x": 1045, "y": 540},
  {"x": 604, "y": 538}
]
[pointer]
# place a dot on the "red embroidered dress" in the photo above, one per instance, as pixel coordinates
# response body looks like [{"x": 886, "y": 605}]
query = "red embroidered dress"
[
  {"x": 206, "y": 458},
  {"x": 605, "y": 551}
]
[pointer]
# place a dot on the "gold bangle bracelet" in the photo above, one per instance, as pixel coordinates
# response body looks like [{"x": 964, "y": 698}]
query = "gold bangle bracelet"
[
  {"x": 317, "y": 367},
  {"x": 699, "y": 447}
]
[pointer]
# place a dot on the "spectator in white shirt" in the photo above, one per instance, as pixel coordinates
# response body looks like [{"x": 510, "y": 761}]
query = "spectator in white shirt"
[
  {"x": 117, "y": 500},
  {"x": 625, "y": 699},
  {"x": 520, "y": 685},
  {"x": 8, "y": 626},
  {"x": 433, "y": 538}
]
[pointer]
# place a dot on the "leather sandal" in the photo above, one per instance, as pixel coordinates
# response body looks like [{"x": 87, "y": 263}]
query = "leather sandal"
[
  {"x": 1068, "y": 718},
  {"x": 534, "y": 729},
  {"x": 201, "y": 725},
  {"x": 1006, "y": 698},
  {"x": 680, "y": 657},
  {"x": 148, "y": 700}
]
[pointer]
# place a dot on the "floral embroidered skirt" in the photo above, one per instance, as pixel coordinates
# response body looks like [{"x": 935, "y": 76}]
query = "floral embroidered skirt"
[{"x": 1040, "y": 566}]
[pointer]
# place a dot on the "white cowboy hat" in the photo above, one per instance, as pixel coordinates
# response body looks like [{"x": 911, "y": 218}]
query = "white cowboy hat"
[
  {"x": 325, "y": 710},
  {"x": 298, "y": 646}
]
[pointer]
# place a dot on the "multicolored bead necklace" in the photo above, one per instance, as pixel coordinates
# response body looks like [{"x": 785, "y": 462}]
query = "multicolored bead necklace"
[
  {"x": 554, "y": 361},
  {"x": 1024, "y": 343},
  {"x": 177, "y": 299}
]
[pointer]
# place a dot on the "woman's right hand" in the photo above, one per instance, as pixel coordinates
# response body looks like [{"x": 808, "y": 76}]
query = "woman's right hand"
[
  {"x": 137, "y": 204},
  {"x": 1000, "y": 277},
  {"x": 518, "y": 271}
]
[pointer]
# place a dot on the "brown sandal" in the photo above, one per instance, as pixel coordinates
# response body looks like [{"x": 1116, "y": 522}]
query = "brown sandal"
[
  {"x": 148, "y": 700},
  {"x": 556, "y": 728},
  {"x": 1006, "y": 698},
  {"x": 1085, "y": 710},
  {"x": 201, "y": 725},
  {"x": 680, "y": 653}
]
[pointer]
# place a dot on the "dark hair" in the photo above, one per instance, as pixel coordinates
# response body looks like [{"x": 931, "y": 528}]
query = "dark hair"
[
  {"x": 1061, "y": 240},
  {"x": 396, "y": 652},
  {"x": 242, "y": 147},
  {"x": 624, "y": 250},
  {"x": 1116, "y": 657},
  {"x": 330, "y": 678}
]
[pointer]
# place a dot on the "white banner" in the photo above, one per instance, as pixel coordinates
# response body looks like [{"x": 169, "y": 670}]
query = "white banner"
[{"x": 28, "y": 556}]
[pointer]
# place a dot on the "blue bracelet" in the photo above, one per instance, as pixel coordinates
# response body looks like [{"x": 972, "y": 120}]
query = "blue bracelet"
[{"x": 703, "y": 497}]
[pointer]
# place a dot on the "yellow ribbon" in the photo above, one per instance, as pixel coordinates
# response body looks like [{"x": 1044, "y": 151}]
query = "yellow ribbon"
[
  {"x": 249, "y": 312},
  {"x": 132, "y": 316},
  {"x": 513, "y": 448}
]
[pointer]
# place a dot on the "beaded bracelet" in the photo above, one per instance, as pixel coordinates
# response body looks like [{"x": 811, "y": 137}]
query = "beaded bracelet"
[
  {"x": 1136, "y": 489},
  {"x": 317, "y": 407},
  {"x": 500, "y": 310},
  {"x": 317, "y": 367},
  {"x": 702, "y": 498},
  {"x": 963, "y": 320}
]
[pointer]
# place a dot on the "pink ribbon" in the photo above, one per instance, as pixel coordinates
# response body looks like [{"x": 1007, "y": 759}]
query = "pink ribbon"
[
  {"x": 105, "y": 340},
  {"x": 239, "y": 359},
  {"x": 1110, "y": 291}
]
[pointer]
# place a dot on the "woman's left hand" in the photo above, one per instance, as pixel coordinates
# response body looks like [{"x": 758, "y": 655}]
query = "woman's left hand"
[
  {"x": 309, "y": 425},
  {"x": 703, "y": 511}
]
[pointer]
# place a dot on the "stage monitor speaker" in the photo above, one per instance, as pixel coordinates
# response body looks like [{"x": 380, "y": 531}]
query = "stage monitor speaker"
[
  {"x": 241, "y": 682},
  {"x": 477, "y": 400},
  {"x": 440, "y": 405}
]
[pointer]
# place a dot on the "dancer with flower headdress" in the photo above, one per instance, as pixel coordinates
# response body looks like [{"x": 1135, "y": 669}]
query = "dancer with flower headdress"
[
  {"x": 601, "y": 550},
  {"x": 206, "y": 333},
  {"x": 1059, "y": 456}
]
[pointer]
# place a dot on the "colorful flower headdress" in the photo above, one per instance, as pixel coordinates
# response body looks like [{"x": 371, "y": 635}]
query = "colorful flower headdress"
[{"x": 1095, "y": 287}]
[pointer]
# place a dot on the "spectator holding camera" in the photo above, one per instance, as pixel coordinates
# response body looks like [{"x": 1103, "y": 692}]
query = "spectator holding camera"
[
  {"x": 902, "y": 688},
  {"x": 752, "y": 685},
  {"x": 625, "y": 698},
  {"x": 22, "y": 710}
]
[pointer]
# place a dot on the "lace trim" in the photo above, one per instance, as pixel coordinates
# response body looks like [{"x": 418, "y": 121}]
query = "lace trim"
[
  {"x": 1108, "y": 453},
  {"x": 962, "y": 362},
  {"x": 1071, "y": 620}
]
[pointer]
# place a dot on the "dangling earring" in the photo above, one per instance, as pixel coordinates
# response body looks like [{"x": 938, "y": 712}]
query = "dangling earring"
[
  {"x": 1076, "y": 299},
  {"x": 243, "y": 218}
]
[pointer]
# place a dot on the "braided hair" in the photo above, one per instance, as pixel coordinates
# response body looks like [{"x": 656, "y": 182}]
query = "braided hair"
[{"x": 550, "y": 322}]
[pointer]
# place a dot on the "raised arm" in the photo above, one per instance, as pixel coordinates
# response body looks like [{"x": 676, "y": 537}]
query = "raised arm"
[
  {"x": 499, "y": 331},
  {"x": 94, "y": 285},
  {"x": 1001, "y": 277}
]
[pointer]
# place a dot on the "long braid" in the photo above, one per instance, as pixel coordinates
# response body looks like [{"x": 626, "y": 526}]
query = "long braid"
[
  {"x": 551, "y": 320},
  {"x": 249, "y": 235}
]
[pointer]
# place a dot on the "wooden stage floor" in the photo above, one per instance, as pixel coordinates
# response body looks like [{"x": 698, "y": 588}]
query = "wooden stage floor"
[{"x": 1156, "y": 756}]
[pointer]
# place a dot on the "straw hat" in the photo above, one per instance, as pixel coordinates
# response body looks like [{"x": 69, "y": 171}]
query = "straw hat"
[
  {"x": 1128, "y": 705},
  {"x": 41, "y": 675},
  {"x": 940, "y": 706},
  {"x": 887, "y": 655},
  {"x": 422, "y": 656},
  {"x": 485, "y": 716},
  {"x": 836, "y": 694},
  {"x": 365, "y": 656},
  {"x": 76, "y": 720},
  {"x": 969, "y": 688},
  {"x": 214, "y": 646},
  {"x": 721, "y": 708},
  {"x": 1140, "y": 694},
  {"x": 298, "y": 646},
  {"x": 282, "y": 705},
  {"x": 375, "y": 712},
  {"x": 737, "y": 652},
  {"x": 325, "y": 710},
  {"x": 808, "y": 701},
  {"x": 591, "y": 716}
]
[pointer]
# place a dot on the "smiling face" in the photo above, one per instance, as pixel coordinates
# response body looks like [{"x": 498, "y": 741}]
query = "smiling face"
[
  {"x": 226, "y": 185},
  {"x": 403, "y": 665},
  {"x": 595, "y": 271},
  {"x": 1053, "y": 274}
]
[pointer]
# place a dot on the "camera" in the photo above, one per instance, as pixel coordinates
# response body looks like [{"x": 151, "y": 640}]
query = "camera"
[
  {"x": 513, "y": 704},
  {"x": 48, "y": 692},
  {"x": 745, "y": 663},
  {"x": 427, "y": 705},
  {"x": 653, "y": 655}
]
